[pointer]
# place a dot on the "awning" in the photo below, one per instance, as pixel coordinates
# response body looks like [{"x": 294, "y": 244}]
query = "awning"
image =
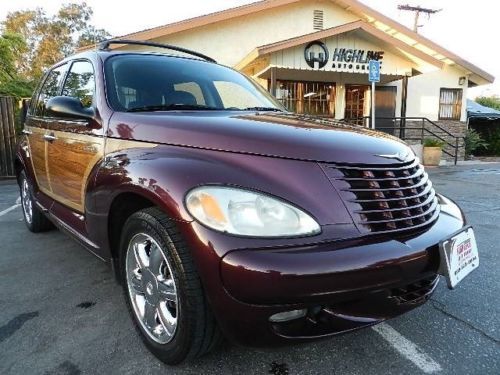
[{"x": 476, "y": 110}]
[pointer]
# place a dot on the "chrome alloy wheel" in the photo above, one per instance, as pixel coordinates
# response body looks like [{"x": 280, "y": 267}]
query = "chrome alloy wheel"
[
  {"x": 152, "y": 288},
  {"x": 26, "y": 201}
]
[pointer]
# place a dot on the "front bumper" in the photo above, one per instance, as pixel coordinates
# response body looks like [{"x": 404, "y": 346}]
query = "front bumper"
[{"x": 344, "y": 285}]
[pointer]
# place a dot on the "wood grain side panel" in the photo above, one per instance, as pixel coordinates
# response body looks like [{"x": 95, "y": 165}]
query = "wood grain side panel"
[
  {"x": 37, "y": 147},
  {"x": 71, "y": 159}
]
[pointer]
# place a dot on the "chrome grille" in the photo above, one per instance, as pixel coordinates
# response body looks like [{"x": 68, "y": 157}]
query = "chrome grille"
[{"x": 386, "y": 198}]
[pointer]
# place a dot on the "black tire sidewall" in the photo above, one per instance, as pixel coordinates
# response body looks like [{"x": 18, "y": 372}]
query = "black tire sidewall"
[
  {"x": 178, "y": 348},
  {"x": 22, "y": 178}
]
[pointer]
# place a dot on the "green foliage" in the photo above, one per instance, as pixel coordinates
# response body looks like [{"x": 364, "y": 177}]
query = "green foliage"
[
  {"x": 17, "y": 88},
  {"x": 489, "y": 101},
  {"x": 12, "y": 46},
  {"x": 48, "y": 39},
  {"x": 493, "y": 139},
  {"x": 432, "y": 142},
  {"x": 91, "y": 35},
  {"x": 473, "y": 141}
]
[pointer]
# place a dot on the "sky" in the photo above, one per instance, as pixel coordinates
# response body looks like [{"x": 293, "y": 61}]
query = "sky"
[{"x": 466, "y": 28}]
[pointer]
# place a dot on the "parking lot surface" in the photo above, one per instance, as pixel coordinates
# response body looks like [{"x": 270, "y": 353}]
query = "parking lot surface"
[{"x": 62, "y": 313}]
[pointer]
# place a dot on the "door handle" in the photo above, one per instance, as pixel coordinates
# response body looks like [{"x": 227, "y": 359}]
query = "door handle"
[
  {"x": 49, "y": 137},
  {"x": 27, "y": 132}
]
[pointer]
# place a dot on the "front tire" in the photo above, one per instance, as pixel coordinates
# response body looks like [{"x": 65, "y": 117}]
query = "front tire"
[
  {"x": 34, "y": 219},
  {"x": 163, "y": 291}
]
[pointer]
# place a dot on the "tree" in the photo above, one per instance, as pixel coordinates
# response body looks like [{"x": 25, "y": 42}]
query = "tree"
[
  {"x": 12, "y": 46},
  {"x": 489, "y": 101},
  {"x": 91, "y": 35},
  {"x": 50, "y": 38}
]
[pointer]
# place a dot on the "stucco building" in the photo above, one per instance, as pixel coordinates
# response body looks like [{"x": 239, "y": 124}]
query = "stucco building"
[{"x": 313, "y": 56}]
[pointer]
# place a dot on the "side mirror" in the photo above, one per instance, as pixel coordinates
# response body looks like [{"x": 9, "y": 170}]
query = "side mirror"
[{"x": 69, "y": 107}]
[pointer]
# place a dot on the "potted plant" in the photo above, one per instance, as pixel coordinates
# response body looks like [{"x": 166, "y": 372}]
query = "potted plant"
[{"x": 433, "y": 149}]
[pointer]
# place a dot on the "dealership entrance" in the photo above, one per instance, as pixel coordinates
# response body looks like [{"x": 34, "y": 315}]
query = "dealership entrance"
[
  {"x": 319, "y": 99},
  {"x": 326, "y": 74}
]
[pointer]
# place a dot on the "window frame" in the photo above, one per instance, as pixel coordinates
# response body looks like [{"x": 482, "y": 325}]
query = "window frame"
[
  {"x": 109, "y": 82},
  {"x": 43, "y": 81},
  {"x": 72, "y": 62},
  {"x": 456, "y": 113},
  {"x": 306, "y": 102}
]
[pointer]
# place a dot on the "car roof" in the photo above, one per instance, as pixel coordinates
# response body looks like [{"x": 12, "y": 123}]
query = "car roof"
[{"x": 105, "y": 54}]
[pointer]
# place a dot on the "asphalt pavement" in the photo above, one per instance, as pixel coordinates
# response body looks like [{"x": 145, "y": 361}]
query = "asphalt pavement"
[{"x": 62, "y": 313}]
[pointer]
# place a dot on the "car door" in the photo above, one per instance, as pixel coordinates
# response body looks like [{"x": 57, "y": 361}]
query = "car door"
[
  {"x": 76, "y": 145},
  {"x": 37, "y": 122}
]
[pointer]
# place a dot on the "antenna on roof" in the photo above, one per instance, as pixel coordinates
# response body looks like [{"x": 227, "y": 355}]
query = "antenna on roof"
[{"x": 418, "y": 10}]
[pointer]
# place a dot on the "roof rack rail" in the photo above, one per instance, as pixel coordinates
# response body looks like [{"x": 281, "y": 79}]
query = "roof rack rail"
[{"x": 103, "y": 46}]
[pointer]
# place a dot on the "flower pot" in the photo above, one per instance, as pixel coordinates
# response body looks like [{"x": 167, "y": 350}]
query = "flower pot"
[{"x": 432, "y": 156}]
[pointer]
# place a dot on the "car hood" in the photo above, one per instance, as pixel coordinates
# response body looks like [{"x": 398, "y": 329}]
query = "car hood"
[{"x": 268, "y": 134}]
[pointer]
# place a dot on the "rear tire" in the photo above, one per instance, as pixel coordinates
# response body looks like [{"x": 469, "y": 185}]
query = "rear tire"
[
  {"x": 34, "y": 218},
  {"x": 163, "y": 291}
]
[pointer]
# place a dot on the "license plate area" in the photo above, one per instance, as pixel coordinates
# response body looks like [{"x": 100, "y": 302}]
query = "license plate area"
[{"x": 459, "y": 256}]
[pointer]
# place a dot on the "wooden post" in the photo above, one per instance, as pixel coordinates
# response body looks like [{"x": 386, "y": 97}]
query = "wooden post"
[
  {"x": 273, "y": 81},
  {"x": 404, "y": 100},
  {"x": 7, "y": 136},
  {"x": 3, "y": 151}
]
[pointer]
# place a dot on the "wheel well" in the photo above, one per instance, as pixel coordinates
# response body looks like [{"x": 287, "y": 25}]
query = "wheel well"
[{"x": 122, "y": 207}]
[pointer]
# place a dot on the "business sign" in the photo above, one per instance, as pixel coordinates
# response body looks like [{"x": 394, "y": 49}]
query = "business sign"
[
  {"x": 317, "y": 56},
  {"x": 316, "y": 53},
  {"x": 374, "y": 71}
]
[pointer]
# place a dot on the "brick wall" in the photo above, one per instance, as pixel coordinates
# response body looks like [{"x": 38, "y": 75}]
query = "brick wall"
[{"x": 456, "y": 128}]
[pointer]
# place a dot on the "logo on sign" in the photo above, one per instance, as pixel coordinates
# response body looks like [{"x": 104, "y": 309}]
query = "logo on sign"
[
  {"x": 316, "y": 52},
  {"x": 317, "y": 56}
]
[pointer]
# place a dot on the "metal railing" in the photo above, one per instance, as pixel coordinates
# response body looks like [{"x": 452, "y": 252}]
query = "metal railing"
[{"x": 400, "y": 125}]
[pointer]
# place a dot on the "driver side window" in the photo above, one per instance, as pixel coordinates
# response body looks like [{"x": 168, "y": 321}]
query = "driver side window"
[
  {"x": 80, "y": 83},
  {"x": 50, "y": 88}
]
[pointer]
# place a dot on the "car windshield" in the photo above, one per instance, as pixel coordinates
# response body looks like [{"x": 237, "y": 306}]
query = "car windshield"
[{"x": 144, "y": 83}]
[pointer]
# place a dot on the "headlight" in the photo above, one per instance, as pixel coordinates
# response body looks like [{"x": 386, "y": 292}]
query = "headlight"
[{"x": 246, "y": 213}]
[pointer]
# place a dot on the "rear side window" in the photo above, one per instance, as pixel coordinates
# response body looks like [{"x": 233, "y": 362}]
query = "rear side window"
[
  {"x": 51, "y": 87},
  {"x": 80, "y": 83}
]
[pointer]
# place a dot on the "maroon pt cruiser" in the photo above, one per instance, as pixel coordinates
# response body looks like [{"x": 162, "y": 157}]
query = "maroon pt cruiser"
[{"x": 224, "y": 215}]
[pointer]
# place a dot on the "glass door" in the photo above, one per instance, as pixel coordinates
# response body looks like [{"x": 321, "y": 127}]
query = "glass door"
[{"x": 355, "y": 96}]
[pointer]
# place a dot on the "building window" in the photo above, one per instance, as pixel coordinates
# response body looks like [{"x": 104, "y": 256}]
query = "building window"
[
  {"x": 450, "y": 104},
  {"x": 318, "y": 17},
  {"x": 311, "y": 98}
]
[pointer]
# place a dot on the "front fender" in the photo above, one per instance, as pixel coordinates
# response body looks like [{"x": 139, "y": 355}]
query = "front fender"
[{"x": 164, "y": 174}]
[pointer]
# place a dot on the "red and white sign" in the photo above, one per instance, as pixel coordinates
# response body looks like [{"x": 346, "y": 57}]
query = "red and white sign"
[{"x": 459, "y": 256}]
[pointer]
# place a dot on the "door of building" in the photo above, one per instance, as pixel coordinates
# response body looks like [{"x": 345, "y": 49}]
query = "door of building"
[
  {"x": 385, "y": 109},
  {"x": 355, "y": 96}
]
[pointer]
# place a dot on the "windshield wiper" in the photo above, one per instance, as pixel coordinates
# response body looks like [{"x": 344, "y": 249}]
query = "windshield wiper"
[
  {"x": 263, "y": 109},
  {"x": 173, "y": 107}
]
